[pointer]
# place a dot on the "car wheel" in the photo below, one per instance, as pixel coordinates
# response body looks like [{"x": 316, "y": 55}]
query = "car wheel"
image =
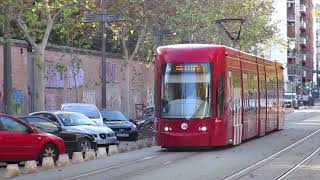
[
  {"x": 49, "y": 150},
  {"x": 83, "y": 145}
]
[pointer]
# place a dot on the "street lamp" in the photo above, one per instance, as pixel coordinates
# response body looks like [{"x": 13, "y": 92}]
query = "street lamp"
[{"x": 229, "y": 27}]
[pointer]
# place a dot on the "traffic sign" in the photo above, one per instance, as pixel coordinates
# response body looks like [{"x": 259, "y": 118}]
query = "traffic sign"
[{"x": 118, "y": 16}]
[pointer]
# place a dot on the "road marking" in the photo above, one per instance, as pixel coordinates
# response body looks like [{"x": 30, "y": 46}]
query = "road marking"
[
  {"x": 270, "y": 157},
  {"x": 298, "y": 165},
  {"x": 167, "y": 162}
]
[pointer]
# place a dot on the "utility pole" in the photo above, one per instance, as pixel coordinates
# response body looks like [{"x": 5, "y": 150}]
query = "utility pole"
[
  {"x": 7, "y": 78},
  {"x": 103, "y": 57},
  {"x": 103, "y": 18}
]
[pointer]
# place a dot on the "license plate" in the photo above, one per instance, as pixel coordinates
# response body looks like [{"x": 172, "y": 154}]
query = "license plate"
[
  {"x": 104, "y": 141},
  {"x": 122, "y": 135}
]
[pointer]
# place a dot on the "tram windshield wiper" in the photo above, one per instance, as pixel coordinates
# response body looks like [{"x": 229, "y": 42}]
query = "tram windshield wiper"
[{"x": 205, "y": 101}]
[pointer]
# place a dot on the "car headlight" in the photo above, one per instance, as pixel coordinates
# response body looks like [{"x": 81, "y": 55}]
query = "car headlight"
[{"x": 134, "y": 127}]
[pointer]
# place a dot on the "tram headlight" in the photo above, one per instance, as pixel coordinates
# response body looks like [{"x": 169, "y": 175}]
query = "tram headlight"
[
  {"x": 203, "y": 128},
  {"x": 167, "y": 129}
]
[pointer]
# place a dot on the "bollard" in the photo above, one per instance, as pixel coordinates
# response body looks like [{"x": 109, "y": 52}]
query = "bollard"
[
  {"x": 30, "y": 167},
  {"x": 140, "y": 144},
  {"x": 123, "y": 147},
  {"x": 90, "y": 155},
  {"x": 113, "y": 149},
  {"x": 77, "y": 157},
  {"x": 132, "y": 146},
  {"x": 102, "y": 152},
  {"x": 63, "y": 160},
  {"x": 12, "y": 170},
  {"x": 47, "y": 163}
]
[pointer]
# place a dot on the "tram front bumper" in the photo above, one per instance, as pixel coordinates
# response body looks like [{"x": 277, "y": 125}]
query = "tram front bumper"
[{"x": 171, "y": 139}]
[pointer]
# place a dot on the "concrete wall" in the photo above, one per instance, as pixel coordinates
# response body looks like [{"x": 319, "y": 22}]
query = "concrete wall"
[{"x": 60, "y": 85}]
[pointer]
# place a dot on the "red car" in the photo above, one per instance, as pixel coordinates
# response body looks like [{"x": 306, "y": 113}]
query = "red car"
[{"x": 20, "y": 141}]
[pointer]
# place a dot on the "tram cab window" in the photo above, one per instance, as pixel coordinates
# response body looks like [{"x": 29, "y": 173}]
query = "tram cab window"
[
  {"x": 186, "y": 91},
  {"x": 220, "y": 95}
]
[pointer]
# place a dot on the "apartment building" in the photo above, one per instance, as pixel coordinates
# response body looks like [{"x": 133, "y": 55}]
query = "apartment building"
[{"x": 300, "y": 49}]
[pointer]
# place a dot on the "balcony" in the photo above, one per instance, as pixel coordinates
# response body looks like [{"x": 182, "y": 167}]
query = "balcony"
[
  {"x": 303, "y": 57},
  {"x": 303, "y": 25},
  {"x": 303, "y": 41},
  {"x": 291, "y": 18},
  {"x": 303, "y": 9}
]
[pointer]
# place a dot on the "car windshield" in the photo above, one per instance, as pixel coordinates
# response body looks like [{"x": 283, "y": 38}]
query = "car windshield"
[
  {"x": 186, "y": 91},
  {"x": 89, "y": 111},
  {"x": 69, "y": 119},
  {"x": 42, "y": 124},
  {"x": 113, "y": 115}
]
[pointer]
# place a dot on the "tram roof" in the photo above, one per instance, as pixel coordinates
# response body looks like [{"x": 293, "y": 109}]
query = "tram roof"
[{"x": 186, "y": 47}]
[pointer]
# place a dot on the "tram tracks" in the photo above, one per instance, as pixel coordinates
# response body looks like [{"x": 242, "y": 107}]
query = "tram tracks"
[
  {"x": 138, "y": 166},
  {"x": 266, "y": 162}
]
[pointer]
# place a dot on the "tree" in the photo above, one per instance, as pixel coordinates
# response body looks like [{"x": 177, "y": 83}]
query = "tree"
[
  {"x": 36, "y": 20},
  {"x": 132, "y": 32}
]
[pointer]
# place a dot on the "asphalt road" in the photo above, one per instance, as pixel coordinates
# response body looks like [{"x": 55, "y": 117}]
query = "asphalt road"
[{"x": 288, "y": 154}]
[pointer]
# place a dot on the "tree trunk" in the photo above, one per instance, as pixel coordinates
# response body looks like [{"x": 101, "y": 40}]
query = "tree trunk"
[
  {"x": 38, "y": 81},
  {"x": 127, "y": 89},
  {"x": 7, "y": 68}
]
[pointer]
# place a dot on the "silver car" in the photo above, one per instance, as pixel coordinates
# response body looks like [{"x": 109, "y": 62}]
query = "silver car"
[{"x": 77, "y": 122}]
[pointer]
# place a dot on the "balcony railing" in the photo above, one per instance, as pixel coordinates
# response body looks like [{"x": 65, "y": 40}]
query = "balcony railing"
[
  {"x": 291, "y": 19},
  {"x": 303, "y": 9},
  {"x": 303, "y": 41},
  {"x": 303, "y": 57},
  {"x": 303, "y": 25}
]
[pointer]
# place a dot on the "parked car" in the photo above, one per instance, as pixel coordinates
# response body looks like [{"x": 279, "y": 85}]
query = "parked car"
[
  {"x": 291, "y": 100},
  {"x": 77, "y": 122},
  {"x": 73, "y": 141},
  {"x": 147, "y": 118},
  {"x": 90, "y": 110},
  {"x": 120, "y": 124},
  {"x": 20, "y": 141}
]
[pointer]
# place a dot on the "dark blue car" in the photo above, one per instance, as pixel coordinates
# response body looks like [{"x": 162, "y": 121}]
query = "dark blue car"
[{"x": 120, "y": 124}]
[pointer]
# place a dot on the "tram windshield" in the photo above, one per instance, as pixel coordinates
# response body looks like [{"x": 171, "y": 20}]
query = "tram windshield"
[{"x": 186, "y": 91}]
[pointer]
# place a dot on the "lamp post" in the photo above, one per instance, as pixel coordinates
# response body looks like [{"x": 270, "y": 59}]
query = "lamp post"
[{"x": 103, "y": 18}]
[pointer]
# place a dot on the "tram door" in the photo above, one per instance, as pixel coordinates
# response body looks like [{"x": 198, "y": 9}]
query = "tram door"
[{"x": 235, "y": 105}]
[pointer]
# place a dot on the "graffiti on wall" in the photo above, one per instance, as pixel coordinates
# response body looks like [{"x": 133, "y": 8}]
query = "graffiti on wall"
[
  {"x": 18, "y": 101},
  {"x": 89, "y": 97},
  {"x": 53, "y": 78},
  {"x": 69, "y": 97},
  {"x": 50, "y": 102},
  {"x": 150, "y": 99},
  {"x": 114, "y": 102},
  {"x": 111, "y": 71},
  {"x": 75, "y": 77}
]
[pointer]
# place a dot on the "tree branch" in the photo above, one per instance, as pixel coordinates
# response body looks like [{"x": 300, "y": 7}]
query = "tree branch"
[
  {"x": 48, "y": 31},
  {"x": 125, "y": 49},
  {"x": 24, "y": 28},
  {"x": 140, "y": 38}
]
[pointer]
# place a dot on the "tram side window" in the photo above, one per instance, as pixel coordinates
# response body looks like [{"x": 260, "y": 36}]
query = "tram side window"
[{"x": 220, "y": 95}]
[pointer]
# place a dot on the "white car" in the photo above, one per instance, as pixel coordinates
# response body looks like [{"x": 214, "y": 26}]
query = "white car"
[
  {"x": 89, "y": 110},
  {"x": 291, "y": 100}
]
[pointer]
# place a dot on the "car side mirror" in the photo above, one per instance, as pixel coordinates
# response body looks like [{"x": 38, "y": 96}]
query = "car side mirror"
[{"x": 30, "y": 130}]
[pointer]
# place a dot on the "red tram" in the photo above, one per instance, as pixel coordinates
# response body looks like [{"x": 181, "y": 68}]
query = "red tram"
[{"x": 211, "y": 95}]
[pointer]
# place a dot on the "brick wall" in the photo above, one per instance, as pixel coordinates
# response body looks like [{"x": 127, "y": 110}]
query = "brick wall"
[{"x": 60, "y": 84}]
